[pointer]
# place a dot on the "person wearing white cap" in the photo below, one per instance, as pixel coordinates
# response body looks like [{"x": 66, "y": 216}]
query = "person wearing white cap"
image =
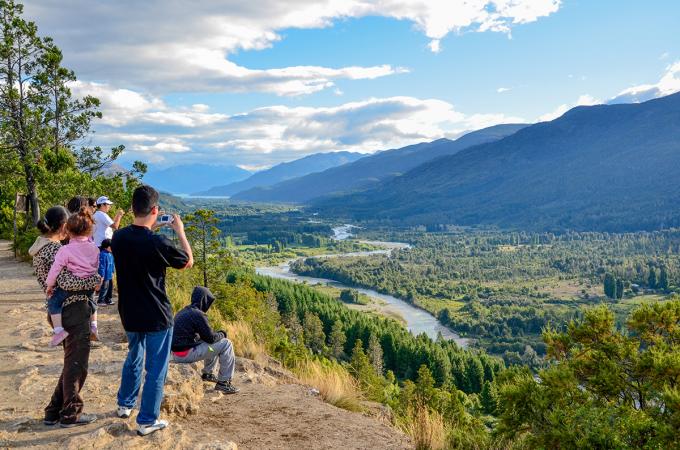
[{"x": 103, "y": 224}]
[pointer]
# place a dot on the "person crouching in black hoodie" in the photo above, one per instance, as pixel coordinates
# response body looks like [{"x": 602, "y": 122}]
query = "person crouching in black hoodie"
[{"x": 193, "y": 340}]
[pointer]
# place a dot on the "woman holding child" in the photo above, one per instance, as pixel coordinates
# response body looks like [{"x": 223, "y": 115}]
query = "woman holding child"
[{"x": 66, "y": 404}]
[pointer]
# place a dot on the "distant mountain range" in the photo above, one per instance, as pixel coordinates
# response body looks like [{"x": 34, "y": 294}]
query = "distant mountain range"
[
  {"x": 604, "y": 167},
  {"x": 370, "y": 170},
  {"x": 187, "y": 178},
  {"x": 284, "y": 171}
]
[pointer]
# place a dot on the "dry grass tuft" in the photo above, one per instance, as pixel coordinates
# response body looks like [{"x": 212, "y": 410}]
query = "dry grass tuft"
[
  {"x": 427, "y": 429},
  {"x": 334, "y": 382},
  {"x": 245, "y": 343}
]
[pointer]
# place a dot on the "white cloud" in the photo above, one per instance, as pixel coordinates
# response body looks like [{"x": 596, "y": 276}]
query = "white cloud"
[
  {"x": 164, "y": 46},
  {"x": 118, "y": 103},
  {"x": 264, "y": 136},
  {"x": 500, "y": 90},
  {"x": 664, "y": 55},
  {"x": 583, "y": 100},
  {"x": 668, "y": 84},
  {"x": 200, "y": 108},
  {"x": 122, "y": 107},
  {"x": 435, "y": 45},
  {"x": 254, "y": 167},
  {"x": 168, "y": 145}
]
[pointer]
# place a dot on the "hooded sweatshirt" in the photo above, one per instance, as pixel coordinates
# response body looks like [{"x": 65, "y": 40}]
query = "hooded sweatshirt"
[
  {"x": 191, "y": 323},
  {"x": 39, "y": 243}
]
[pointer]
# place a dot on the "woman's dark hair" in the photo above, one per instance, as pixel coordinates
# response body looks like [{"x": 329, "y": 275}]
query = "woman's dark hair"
[
  {"x": 53, "y": 220},
  {"x": 91, "y": 202},
  {"x": 144, "y": 198},
  {"x": 80, "y": 224},
  {"x": 75, "y": 203}
]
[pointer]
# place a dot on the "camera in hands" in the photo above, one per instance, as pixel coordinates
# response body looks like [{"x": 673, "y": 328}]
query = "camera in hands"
[{"x": 166, "y": 219}]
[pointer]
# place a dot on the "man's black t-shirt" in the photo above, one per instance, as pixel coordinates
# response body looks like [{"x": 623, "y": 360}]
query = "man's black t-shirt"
[{"x": 141, "y": 257}]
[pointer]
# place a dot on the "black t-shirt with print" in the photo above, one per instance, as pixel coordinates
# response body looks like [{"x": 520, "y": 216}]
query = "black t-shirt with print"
[{"x": 141, "y": 258}]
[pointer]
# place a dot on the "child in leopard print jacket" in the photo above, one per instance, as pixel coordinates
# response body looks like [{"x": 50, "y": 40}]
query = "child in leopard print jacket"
[{"x": 80, "y": 257}]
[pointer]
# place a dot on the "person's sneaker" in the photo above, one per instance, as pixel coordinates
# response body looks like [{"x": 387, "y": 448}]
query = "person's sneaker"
[
  {"x": 123, "y": 412},
  {"x": 209, "y": 377},
  {"x": 226, "y": 387},
  {"x": 58, "y": 338},
  {"x": 144, "y": 430},
  {"x": 50, "y": 422},
  {"x": 110, "y": 303},
  {"x": 84, "y": 419}
]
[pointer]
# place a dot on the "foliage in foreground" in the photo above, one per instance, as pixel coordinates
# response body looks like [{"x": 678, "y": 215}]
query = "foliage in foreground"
[{"x": 608, "y": 388}]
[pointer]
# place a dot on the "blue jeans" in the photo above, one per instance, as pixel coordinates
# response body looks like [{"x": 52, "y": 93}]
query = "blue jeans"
[
  {"x": 106, "y": 292},
  {"x": 54, "y": 303},
  {"x": 157, "y": 347}
]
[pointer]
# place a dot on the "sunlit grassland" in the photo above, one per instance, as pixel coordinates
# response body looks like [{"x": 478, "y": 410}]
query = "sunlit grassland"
[
  {"x": 367, "y": 303},
  {"x": 263, "y": 255}
]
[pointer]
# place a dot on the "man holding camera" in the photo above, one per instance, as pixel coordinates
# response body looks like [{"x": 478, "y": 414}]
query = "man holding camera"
[{"x": 141, "y": 259}]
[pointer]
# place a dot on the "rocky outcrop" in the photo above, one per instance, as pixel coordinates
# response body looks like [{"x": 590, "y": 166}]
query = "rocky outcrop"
[{"x": 184, "y": 390}]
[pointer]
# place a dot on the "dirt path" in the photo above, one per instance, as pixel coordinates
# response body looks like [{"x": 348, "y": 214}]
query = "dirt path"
[{"x": 271, "y": 412}]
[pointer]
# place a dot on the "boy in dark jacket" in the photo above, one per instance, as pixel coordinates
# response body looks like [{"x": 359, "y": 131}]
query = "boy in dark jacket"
[
  {"x": 194, "y": 340},
  {"x": 106, "y": 269}
]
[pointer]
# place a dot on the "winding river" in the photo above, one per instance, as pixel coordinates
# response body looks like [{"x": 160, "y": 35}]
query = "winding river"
[{"x": 417, "y": 320}]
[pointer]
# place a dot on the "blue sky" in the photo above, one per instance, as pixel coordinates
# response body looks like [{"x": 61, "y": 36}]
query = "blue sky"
[{"x": 254, "y": 85}]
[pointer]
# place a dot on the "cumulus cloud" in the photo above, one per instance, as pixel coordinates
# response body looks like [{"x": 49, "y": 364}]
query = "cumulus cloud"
[
  {"x": 154, "y": 131},
  {"x": 668, "y": 84},
  {"x": 583, "y": 100},
  {"x": 163, "y": 46}
]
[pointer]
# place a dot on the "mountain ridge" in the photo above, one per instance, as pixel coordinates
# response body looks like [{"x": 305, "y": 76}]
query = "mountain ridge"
[
  {"x": 284, "y": 171},
  {"x": 371, "y": 169},
  {"x": 569, "y": 173}
]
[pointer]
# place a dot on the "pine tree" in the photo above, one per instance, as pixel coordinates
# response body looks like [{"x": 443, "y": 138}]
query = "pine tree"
[
  {"x": 663, "y": 279},
  {"x": 336, "y": 340},
  {"x": 444, "y": 316},
  {"x": 375, "y": 354},
  {"x": 360, "y": 366},
  {"x": 349, "y": 296},
  {"x": 295, "y": 329},
  {"x": 474, "y": 375},
  {"x": 39, "y": 119},
  {"x": 205, "y": 241},
  {"x": 315, "y": 338},
  {"x": 619, "y": 288},
  {"x": 489, "y": 398},
  {"x": 609, "y": 285},
  {"x": 651, "y": 281},
  {"x": 425, "y": 390}
]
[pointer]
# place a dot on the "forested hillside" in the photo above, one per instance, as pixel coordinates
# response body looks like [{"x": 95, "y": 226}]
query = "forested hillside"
[
  {"x": 370, "y": 170},
  {"x": 605, "y": 167},
  {"x": 503, "y": 289}
]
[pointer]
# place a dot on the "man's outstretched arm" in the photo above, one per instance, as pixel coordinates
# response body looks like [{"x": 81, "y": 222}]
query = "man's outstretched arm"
[{"x": 178, "y": 226}]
